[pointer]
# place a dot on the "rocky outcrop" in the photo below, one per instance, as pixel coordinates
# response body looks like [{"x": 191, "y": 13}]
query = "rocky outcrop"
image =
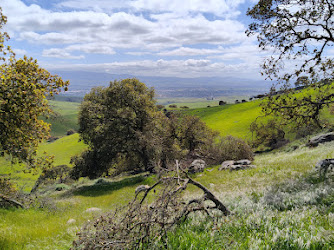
[
  {"x": 236, "y": 165},
  {"x": 315, "y": 141},
  {"x": 197, "y": 166}
]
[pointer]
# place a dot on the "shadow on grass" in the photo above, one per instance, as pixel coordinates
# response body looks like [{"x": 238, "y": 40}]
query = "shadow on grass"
[{"x": 102, "y": 187}]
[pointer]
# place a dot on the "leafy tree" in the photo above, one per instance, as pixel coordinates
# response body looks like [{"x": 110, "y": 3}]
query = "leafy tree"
[
  {"x": 298, "y": 31},
  {"x": 113, "y": 121},
  {"x": 24, "y": 87},
  {"x": 126, "y": 132}
]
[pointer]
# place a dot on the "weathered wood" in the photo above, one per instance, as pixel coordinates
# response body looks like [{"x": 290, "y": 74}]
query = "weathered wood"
[
  {"x": 11, "y": 201},
  {"x": 211, "y": 196}
]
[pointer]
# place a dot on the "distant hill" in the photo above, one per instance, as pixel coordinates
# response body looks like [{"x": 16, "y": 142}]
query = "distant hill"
[{"x": 83, "y": 81}]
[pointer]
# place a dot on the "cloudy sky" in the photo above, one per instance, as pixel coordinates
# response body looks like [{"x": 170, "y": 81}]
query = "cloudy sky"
[{"x": 183, "y": 38}]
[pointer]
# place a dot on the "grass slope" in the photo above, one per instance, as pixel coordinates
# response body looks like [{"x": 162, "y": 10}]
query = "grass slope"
[
  {"x": 231, "y": 119},
  {"x": 66, "y": 117},
  {"x": 252, "y": 225},
  {"x": 62, "y": 149}
]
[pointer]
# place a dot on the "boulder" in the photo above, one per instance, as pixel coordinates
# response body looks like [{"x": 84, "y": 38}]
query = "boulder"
[
  {"x": 324, "y": 166},
  {"x": 93, "y": 209},
  {"x": 315, "y": 141},
  {"x": 243, "y": 162},
  {"x": 236, "y": 165},
  {"x": 240, "y": 167},
  {"x": 197, "y": 166},
  {"x": 226, "y": 165}
]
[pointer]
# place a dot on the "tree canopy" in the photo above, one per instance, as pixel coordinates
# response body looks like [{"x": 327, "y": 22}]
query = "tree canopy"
[
  {"x": 300, "y": 32},
  {"x": 24, "y": 87},
  {"x": 297, "y": 30},
  {"x": 126, "y": 132}
]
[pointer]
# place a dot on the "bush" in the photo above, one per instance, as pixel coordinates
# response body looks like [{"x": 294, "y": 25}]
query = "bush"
[
  {"x": 70, "y": 132},
  {"x": 160, "y": 107},
  {"x": 270, "y": 134},
  {"x": 228, "y": 148},
  {"x": 7, "y": 187},
  {"x": 173, "y": 106},
  {"x": 51, "y": 175}
]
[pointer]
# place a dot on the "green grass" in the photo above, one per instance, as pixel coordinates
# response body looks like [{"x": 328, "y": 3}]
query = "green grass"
[
  {"x": 230, "y": 119},
  {"x": 194, "y": 103},
  {"x": 36, "y": 228},
  {"x": 66, "y": 117},
  {"x": 255, "y": 223},
  {"x": 62, "y": 149}
]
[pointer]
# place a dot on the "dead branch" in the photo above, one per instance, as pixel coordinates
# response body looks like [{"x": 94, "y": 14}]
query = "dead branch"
[
  {"x": 11, "y": 202},
  {"x": 150, "y": 218}
]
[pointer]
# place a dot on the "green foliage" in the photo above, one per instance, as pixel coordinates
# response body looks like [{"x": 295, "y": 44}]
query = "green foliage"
[
  {"x": 228, "y": 148},
  {"x": 306, "y": 38},
  {"x": 112, "y": 122},
  {"x": 229, "y": 119},
  {"x": 23, "y": 90},
  {"x": 270, "y": 134}
]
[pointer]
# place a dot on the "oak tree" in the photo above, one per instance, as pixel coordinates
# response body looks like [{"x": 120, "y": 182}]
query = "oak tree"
[{"x": 300, "y": 33}]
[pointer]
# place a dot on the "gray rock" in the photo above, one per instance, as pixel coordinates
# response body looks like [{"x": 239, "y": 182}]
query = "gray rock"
[
  {"x": 243, "y": 162},
  {"x": 226, "y": 165},
  {"x": 93, "y": 209},
  {"x": 236, "y": 165},
  {"x": 315, "y": 141},
  {"x": 240, "y": 167},
  {"x": 197, "y": 166},
  {"x": 71, "y": 221},
  {"x": 324, "y": 166}
]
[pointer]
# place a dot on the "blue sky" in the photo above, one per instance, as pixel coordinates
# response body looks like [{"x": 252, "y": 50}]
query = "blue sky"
[{"x": 188, "y": 38}]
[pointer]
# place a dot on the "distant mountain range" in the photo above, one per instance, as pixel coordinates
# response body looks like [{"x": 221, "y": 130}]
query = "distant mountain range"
[{"x": 82, "y": 81}]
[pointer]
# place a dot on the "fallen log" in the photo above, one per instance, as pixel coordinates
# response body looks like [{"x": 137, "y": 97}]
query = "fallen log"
[{"x": 11, "y": 202}]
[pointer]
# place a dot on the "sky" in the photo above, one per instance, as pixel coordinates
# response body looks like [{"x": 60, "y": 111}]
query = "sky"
[{"x": 173, "y": 38}]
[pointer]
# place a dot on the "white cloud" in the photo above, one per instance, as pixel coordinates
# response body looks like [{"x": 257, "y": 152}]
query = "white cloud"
[
  {"x": 20, "y": 52},
  {"x": 178, "y": 68},
  {"x": 217, "y": 7},
  {"x": 207, "y": 30},
  {"x": 186, "y": 51},
  {"x": 120, "y": 30},
  {"x": 60, "y": 53}
]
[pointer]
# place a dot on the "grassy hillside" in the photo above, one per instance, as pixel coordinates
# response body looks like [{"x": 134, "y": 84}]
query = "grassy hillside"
[
  {"x": 278, "y": 204},
  {"x": 62, "y": 149},
  {"x": 65, "y": 117},
  {"x": 231, "y": 119},
  {"x": 255, "y": 222}
]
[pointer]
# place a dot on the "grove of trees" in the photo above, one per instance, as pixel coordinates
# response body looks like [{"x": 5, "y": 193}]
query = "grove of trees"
[{"x": 125, "y": 131}]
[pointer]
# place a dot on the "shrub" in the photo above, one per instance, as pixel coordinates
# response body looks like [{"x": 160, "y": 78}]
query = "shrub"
[
  {"x": 7, "y": 187},
  {"x": 50, "y": 175},
  {"x": 173, "y": 106},
  {"x": 228, "y": 148},
  {"x": 270, "y": 134},
  {"x": 160, "y": 107},
  {"x": 70, "y": 132}
]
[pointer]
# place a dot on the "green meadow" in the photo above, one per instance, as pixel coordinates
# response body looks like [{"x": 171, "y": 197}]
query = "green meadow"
[{"x": 280, "y": 204}]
